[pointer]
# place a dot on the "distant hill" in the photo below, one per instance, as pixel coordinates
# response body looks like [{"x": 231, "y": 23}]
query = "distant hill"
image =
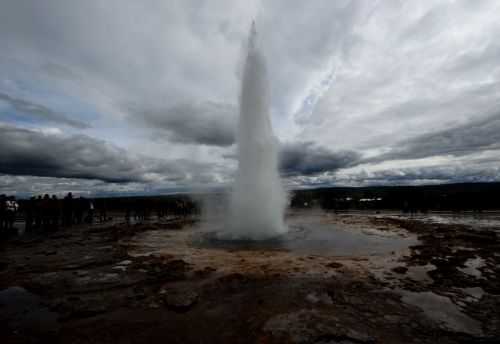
[
  {"x": 453, "y": 197},
  {"x": 447, "y": 197}
]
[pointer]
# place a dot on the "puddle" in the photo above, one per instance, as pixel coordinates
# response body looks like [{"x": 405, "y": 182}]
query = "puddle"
[
  {"x": 420, "y": 273},
  {"x": 441, "y": 309},
  {"x": 472, "y": 267},
  {"x": 474, "y": 293}
]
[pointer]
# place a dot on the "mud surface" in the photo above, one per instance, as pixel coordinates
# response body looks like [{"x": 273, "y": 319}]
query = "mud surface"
[{"x": 150, "y": 283}]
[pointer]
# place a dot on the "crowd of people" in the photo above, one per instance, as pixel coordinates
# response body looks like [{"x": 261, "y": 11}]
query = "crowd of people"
[
  {"x": 141, "y": 210},
  {"x": 49, "y": 213},
  {"x": 46, "y": 213}
]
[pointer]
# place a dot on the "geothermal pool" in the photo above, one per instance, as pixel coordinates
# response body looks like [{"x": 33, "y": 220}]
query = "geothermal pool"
[
  {"x": 317, "y": 234},
  {"x": 310, "y": 233}
]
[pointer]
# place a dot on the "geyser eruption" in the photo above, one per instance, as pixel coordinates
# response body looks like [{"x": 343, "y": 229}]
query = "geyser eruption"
[{"x": 258, "y": 200}]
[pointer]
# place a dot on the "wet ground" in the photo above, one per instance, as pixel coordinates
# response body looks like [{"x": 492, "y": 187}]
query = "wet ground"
[{"x": 335, "y": 278}]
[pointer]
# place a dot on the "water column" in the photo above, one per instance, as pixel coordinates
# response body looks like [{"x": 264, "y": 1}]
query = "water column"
[{"x": 258, "y": 199}]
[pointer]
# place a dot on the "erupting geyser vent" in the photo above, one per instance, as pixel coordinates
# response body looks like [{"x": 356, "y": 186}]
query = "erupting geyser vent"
[{"x": 258, "y": 199}]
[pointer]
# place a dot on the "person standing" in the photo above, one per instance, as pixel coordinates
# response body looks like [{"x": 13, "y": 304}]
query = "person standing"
[
  {"x": 11, "y": 211},
  {"x": 128, "y": 213},
  {"x": 45, "y": 209},
  {"x": 79, "y": 209},
  {"x": 3, "y": 212},
  {"x": 103, "y": 215},
  {"x": 91, "y": 212},
  {"x": 38, "y": 211},
  {"x": 28, "y": 214},
  {"x": 68, "y": 210},
  {"x": 55, "y": 212}
]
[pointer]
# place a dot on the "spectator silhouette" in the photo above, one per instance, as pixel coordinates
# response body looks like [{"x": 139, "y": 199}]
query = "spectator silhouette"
[
  {"x": 55, "y": 212},
  {"x": 45, "y": 212},
  {"x": 11, "y": 208},
  {"x": 29, "y": 212},
  {"x": 68, "y": 209},
  {"x": 90, "y": 216},
  {"x": 37, "y": 205},
  {"x": 3, "y": 212},
  {"x": 103, "y": 214},
  {"x": 80, "y": 207},
  {"x": 128, "y": 213}
]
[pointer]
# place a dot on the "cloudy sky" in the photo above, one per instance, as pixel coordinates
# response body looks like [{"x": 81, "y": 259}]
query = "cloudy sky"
[{"x": 130, "y": 96}]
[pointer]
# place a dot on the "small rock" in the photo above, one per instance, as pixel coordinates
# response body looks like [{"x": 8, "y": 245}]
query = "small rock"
[
  {"x": 394, "y": 319},
  {"x": 319, "y": 298},
  {"x": 205, "y": 272},
  {"x": 312, "y": 298},
  {"x": 153, "y": 305},
  {"x": 119, "y": 267},
  {"x": 334, "y": 265},
  {"x": 180, "y": 300},
  {"x": 400, "y": 269},
  {"x": 81, "y": 273},
  {"x": 140, "y": 295}
]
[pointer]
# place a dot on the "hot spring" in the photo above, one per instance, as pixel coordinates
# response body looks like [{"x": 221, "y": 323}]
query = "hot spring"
[
  {"x": 324, "y": 235},
  {"x": 311, "y": 232}
]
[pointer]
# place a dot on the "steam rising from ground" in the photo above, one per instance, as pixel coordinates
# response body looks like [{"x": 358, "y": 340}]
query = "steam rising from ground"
[{"x": 258, "y": 200}]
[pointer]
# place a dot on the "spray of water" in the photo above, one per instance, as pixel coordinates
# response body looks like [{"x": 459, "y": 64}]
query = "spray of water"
[{"x": 258, "y": 199}]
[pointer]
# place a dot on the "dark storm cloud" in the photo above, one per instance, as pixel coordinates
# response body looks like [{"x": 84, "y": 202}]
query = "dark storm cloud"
[
  {"x": 469, "y": 138},
  {"x": 309, "y": 159},
  {"x": 31, "y": 153},
  {"x": 40, "y": 112},
  {"x": 26, "y": 152},
  {"x": 205, "y": 123}
]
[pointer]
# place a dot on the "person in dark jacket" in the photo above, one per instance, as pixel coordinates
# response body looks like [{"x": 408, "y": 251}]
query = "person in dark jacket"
[
  {"x": 3, "y": 212},
  {"x": 55, "y": 212},
  {"x": 11, "y": 208},
  {"x": 68, "y": 210},
  {"x": 29, "y": 209}
]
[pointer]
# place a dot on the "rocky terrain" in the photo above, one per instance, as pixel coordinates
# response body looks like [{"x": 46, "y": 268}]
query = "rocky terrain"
[{"x": 147, "y": 283}]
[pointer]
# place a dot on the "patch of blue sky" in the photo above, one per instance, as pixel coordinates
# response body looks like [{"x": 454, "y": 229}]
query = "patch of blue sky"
[
  {"x": 24, "y": 81},
  {"x": 13, "y": 118},
  {"x": 72, "y": 107},
  {"x": 55, "y": 100}
]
